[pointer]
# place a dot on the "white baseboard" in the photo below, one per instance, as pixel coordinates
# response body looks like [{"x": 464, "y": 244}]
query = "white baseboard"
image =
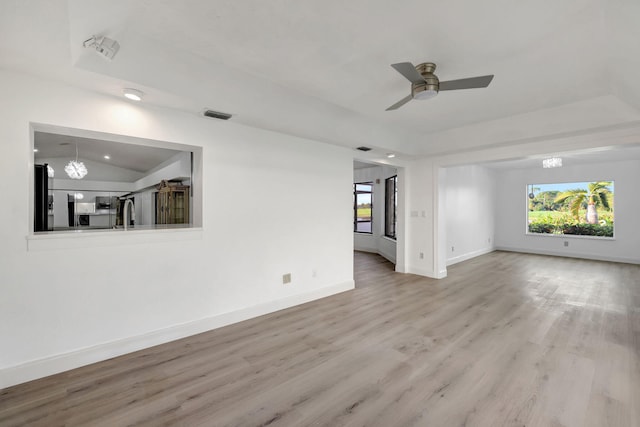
[
  {"x": 597, "y": 257},
  {"x": 427, "y": 273},
  {"x": 469, "y": 255},
  {"x": 74, "y": 359}
]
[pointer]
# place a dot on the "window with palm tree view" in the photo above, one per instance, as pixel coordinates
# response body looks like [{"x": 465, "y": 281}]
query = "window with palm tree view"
[{"x": 571, "y": 208}]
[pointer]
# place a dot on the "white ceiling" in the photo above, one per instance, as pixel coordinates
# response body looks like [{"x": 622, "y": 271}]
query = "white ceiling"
[
  {"x": 321, "y": 68},
  {"x": 133, "y": 157},
  {"x": 592, "y": 156}
]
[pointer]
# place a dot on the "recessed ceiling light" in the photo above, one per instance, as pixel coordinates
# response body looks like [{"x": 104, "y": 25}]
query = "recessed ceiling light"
[
  {"x": 390, "y": 155},
  {"x": 35, "y": 150},
  {"x": 133, "y": 94},
  {"x": 107, "y": 157}
]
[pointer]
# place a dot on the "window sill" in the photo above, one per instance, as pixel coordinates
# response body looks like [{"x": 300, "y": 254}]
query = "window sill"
[
  {"x": 569, "y": 236},
  {"x": 47, "y": 241}
]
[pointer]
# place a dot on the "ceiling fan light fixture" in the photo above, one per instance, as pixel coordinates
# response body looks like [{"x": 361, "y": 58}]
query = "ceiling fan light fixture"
[
  {"x": 426, "y": 90},
  {"x": 425, "y": 94},
  {"x": 426, "y": 85}
]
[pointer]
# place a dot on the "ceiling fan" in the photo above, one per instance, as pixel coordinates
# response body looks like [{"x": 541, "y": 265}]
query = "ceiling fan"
[{"x": 425, "y": 84}]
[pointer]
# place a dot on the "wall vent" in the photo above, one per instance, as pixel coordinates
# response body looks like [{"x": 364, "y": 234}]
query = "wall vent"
[
  {"x": 217, "y": 115},
  {"x": 363, "y": 148}
]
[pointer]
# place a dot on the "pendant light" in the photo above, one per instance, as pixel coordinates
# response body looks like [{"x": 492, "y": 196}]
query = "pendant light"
[{"x": 76, "y": 169}]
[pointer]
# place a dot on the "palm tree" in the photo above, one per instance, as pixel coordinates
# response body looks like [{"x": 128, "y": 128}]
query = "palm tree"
[{"x": 596, "y": 193}]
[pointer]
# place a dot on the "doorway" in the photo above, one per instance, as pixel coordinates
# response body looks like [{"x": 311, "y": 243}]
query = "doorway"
[{"x": 378, "y": 210}]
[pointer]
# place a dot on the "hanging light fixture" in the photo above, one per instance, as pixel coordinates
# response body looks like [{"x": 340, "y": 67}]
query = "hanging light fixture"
[
  {"x": 76, "y": 169},
  {"x": 552, "y": 162}
]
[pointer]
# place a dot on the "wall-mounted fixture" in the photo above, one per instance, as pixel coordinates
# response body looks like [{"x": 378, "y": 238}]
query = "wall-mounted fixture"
[
  {"x": 133, "y": 94},
  {"x": 103, "y": 45},
  {"x": 552, "y": 162},
  {"x": 76, "y": 169}
]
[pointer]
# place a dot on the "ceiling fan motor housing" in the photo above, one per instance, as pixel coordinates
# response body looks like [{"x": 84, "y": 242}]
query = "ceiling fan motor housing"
[{"x": 431, "y": 84}]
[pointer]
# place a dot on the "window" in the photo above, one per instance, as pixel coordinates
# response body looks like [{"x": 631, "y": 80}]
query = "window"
[
  {"x": 571, "y": 208},
  {"x": 124, "y": 175},
  {"x": 362, "y": 204},
  {"x": 390, "y": 206}
]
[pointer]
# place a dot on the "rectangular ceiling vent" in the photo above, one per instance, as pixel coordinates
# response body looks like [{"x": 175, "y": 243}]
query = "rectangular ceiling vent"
[
  {"x": 217, "y": 115},
  {"x": 363, "y": 148}
]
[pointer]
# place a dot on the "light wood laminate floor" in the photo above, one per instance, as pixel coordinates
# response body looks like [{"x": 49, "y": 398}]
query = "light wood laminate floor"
[{"x": 506, "y": 340}]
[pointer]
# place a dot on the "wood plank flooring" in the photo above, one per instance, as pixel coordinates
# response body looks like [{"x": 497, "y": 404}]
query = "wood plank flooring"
[{"x": 506, "y": 340}]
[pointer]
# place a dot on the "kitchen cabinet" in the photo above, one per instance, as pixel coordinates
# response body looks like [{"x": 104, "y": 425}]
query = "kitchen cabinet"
[{"x": 172, "y": 203}]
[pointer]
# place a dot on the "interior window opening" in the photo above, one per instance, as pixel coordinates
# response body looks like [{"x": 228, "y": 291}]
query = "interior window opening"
[{"x": 83, "y": 184}]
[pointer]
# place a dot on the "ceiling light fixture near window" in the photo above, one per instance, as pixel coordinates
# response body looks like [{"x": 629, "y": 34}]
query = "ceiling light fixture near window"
[
  {"x": 390, "y": 155},
  {"x": 107, "y": 157},
  {"x": 133, "y": 94},
  {"x": 76, "y": 169},
  {"x": 552, "y": 162}
]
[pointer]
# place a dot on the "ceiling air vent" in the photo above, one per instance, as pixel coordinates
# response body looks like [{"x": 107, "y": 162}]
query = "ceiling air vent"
[
  {"x": 217, "y": 115},
  {"x": 363, "y": 148}
]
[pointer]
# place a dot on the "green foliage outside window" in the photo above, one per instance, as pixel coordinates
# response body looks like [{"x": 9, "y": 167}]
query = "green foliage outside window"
[{"x": 581, "y": 208}]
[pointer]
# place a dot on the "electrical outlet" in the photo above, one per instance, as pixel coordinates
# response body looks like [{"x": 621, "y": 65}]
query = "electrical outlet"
[
  {"x": 314, "y": 273},
  {"x": 489, "y": 240},
  {"x": 421, "y": 255},
  {"x": 286, "y": 278},
  {"x": 566, "y": 243},
  {"x": 452, "y": 249}
]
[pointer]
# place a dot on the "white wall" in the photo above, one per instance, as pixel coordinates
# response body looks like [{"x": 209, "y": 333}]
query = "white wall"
[
  {"x": 421, "y": 249},
  {"x": 512, "y": 213},
  {"x": 179, "y": 166},
  {"x": 376, "y": 242},
  {"x": 71, "y": 300},
  {"x": 469, "y": 211}
]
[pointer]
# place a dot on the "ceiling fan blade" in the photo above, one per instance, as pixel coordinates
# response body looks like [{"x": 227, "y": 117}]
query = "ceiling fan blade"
[
  {"x": 400, "y": 103},
  {"x": 408, "y": 70},
  {"x": 470, "y": 83}
]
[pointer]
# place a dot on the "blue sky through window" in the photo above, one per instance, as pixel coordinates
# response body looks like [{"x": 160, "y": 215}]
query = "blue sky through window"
[{"x": 563, "y": 186}]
